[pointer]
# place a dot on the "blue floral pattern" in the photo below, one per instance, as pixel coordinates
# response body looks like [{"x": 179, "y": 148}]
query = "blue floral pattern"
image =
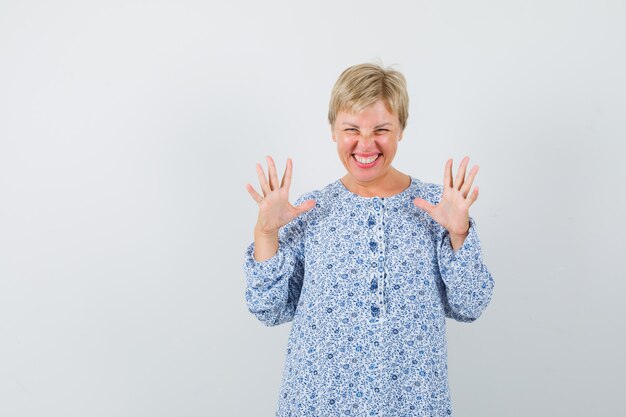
[{"x": 368, "y": 283}]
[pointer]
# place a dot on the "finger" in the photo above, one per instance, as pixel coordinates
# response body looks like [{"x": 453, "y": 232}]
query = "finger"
[
  {"x": 473, "y": 197},
  {"x": 306, "y": 206},
  {"x": 262, "y": 180},
  {"x": 272, "y": 173},
  {"x": 423, "y": 204},
  {"x": 470, "y": 179},
  {"x": 447, "y": 174},
  {"x": 286, "y": 182},
  {"x": 255, "y": 196},
  {"x": 460, "y": 176}
]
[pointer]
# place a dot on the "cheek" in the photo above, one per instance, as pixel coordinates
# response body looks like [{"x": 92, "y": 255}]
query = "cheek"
[
  {"x": 389, "y": 146},
  {"x": 345, "y": 144}
]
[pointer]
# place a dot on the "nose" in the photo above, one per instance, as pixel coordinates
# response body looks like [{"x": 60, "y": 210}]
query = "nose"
[{"x": 367, "y": 137}]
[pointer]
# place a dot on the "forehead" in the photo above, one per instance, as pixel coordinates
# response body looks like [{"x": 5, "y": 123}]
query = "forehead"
[{"x": 374, "y": 114}]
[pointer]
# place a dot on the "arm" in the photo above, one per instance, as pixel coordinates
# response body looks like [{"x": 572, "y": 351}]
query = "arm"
[
  {"x": 467, "y": 281},
  {"x": 466, "y": 285},
  {"x": 273, "y": 284}
]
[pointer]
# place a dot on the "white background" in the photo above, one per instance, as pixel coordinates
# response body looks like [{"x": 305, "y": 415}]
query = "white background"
[{"x": 128, "y": 130}]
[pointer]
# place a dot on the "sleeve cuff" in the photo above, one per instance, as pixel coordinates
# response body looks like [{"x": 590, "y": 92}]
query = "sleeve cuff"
[
  {"x": 257, "y": 272},
  {"x": 467, "y": 256}
]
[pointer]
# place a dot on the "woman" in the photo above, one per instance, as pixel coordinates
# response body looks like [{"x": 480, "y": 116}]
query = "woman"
[{"x": 368, "y": 267}]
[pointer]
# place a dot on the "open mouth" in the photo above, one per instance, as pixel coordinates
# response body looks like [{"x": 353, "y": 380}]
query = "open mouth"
[{"x": 366, "y": 162}]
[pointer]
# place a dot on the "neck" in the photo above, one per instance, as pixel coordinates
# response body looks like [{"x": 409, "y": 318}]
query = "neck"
[{"x": 392, "y": 183}]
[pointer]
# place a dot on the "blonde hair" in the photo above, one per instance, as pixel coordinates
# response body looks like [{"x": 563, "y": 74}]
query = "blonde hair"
[{"x": 362, "y": 85}]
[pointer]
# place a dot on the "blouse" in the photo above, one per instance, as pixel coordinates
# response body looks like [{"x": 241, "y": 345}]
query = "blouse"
[{"x": 367, "y": 283}]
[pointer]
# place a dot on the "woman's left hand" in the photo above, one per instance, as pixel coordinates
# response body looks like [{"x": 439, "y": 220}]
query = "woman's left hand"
[{"x": 452, "y": 212}]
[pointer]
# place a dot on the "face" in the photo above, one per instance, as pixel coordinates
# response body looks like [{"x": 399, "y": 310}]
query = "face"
[{"x": 367, "y": 142}]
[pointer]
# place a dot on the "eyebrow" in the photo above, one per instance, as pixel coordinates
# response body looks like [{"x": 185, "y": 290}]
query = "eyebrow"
[{"x": 375, "y": 127}]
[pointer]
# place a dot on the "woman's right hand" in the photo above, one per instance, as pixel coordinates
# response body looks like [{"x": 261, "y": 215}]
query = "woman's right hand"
[{"x": 275, "y": 210}]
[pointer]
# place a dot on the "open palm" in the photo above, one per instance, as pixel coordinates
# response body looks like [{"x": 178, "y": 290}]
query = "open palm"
[
  {"x": 275, "y": 210},
  {"x": 452, "y": 211}
]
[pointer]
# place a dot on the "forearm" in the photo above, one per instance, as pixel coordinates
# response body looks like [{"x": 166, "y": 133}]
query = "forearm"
[
  {"x": 273, "y": 285},
  {"x": 265, "y": 245},
  {"x": 456, "y": 241},
  {"x": 467, "y": 280}
]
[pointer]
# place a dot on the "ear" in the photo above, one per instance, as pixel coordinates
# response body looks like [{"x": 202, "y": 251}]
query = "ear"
[
  {"x": 401, "y": 134},
  {"x": 332, "y": 133}
]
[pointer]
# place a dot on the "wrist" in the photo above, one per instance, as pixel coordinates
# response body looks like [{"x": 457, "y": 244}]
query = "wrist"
[
  {"x": 259, "y": 233},
  {"x": 458, "y": 236},
  {"x": 456, "y": 240}
]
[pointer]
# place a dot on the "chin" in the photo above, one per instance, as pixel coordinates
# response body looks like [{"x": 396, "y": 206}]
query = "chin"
[{"x": 366, "y": 176}]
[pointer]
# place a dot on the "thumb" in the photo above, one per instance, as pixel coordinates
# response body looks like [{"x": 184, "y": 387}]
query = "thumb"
[
  {"x": 423, "y": 204},
  {"x": 306, "y": 206}
]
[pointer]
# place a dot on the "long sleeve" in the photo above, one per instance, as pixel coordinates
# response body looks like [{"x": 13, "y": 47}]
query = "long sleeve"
[
  {"x": 468, "y": 283},
  {"x": 273, "y": 286}
]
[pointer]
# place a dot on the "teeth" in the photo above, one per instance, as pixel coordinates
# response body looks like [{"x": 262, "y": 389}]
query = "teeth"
[{"x": 366, "y": 160}]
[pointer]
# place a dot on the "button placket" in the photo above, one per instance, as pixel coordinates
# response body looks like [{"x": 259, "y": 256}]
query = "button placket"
[
  {"x": 379, "y": 255},
  {"x": 382, "y": 266}
]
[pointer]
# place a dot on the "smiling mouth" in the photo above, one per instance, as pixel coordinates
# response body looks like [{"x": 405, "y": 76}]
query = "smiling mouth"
[{"x": 367, "y": 160}]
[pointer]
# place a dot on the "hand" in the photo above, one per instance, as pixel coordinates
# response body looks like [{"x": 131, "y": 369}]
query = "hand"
[
  {"x": 452, "y": 212},
  {"x": 275, "y": 210}
]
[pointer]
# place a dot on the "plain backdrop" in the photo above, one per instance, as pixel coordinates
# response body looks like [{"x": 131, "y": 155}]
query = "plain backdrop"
[{"x": 128, "y": 130}]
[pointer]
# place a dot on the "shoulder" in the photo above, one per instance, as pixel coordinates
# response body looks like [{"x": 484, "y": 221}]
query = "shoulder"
[
  {"x": 321, "y": 195},
  {"x": 429, "y": 191},
  {"x": 432, "y": 193},
  {"x": 327, "y": 200},
  {"x": 309, "y": 195},
  {"x": 316, "y": 195}
]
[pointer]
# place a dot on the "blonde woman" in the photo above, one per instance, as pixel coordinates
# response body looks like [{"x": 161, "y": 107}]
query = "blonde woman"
[{"x": 368, "y": 267}]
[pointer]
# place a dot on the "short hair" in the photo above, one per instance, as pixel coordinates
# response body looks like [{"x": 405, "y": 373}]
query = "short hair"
[{"x": 362, "y": 85}]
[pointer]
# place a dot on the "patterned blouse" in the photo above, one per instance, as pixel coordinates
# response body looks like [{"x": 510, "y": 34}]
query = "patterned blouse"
[{"x": 368, "y": 283}]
